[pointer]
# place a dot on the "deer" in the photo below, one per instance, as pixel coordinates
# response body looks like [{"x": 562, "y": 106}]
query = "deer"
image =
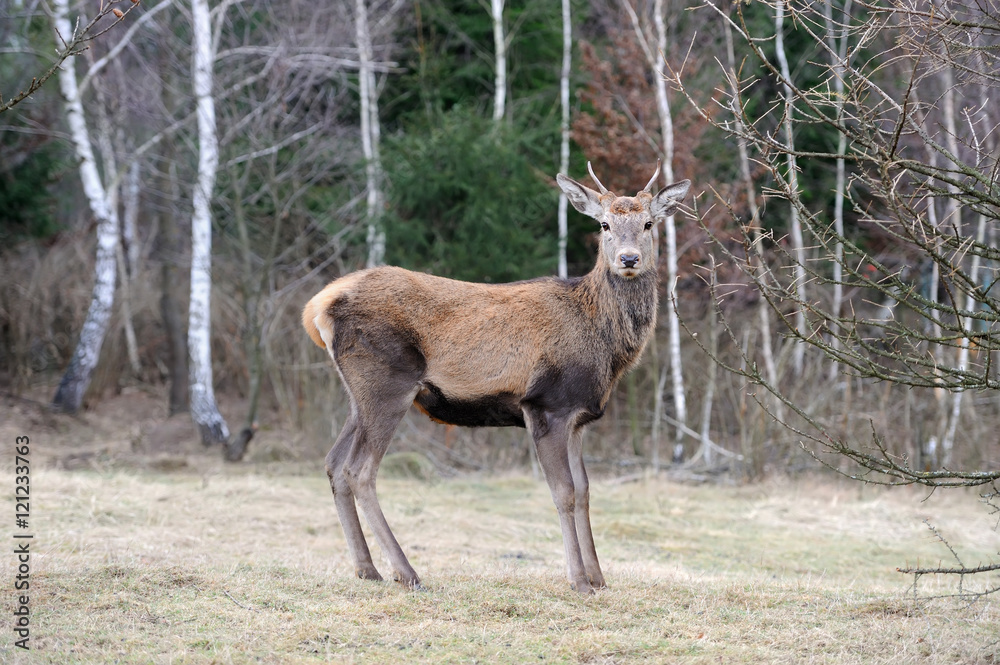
[{"x": 543, "y": 354}]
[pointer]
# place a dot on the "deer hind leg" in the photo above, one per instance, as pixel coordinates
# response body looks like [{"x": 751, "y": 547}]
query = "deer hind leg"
[
  {"x": 551, "y": 434},
  {"x": 361, "y": 469},
  {"x": 581, "y": 488},
  {"x": 343, "y": 496}
]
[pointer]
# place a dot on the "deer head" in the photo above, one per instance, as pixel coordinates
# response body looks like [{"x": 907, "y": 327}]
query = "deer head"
[{"x": 626, "y": 221}]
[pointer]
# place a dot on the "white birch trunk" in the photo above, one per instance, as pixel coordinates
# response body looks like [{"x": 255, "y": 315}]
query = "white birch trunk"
[
  {"x": 131, "y": 343},
  {"x": 654, "y": 58},
  {"x": 948, "y": 442},
  {"x": 838, "y": 53},
  {"x": 130, "y": 218},
  {"x": 670, "y": 231},
  {"x": 935, "y": 277},
  {"x": 69, "y": 395},
  {"x": 129, "y": 258},
  {"x": 109, "y": 160},
  {"x": 707, "y": 448},
  {"x": 500, "y": 49},
  {"x": 370, "y": 135},
  {"x": 211, "y": 425},
  {"x": 763, "y": 312},
  {"x": 564, "y": 144},
  {"x": 953, "y": 217},
  {"x": 795, "y": 226}
]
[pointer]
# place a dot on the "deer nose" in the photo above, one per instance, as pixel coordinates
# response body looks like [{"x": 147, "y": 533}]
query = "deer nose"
[{"x": 629, "y": 260}]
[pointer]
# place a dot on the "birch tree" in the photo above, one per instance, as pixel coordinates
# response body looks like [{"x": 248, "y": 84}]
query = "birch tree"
[
  {"x": 370, "y": 136},
  {"x": 69, "y": 395},
  {"x": 567, "y": 27},
  {"x": 982, "y": 133},
  {"x": 656, "y": 60},
  {"x": 204, "y": 411},
  {"x": 837, "y": 39},
  {"x": 757, "y": 259},
  {"x": 128, "y": 261},
  {"x": 169, "y": 251},
  {"x": 953, "y": 218},
  {"x": 500, "y": 60},
  {"x": 794, "y": 225}
]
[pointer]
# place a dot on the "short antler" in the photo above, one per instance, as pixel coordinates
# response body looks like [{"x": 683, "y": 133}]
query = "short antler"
[
  {"x": 604, "y": 190},
  {"x": 649, "y": 184}
]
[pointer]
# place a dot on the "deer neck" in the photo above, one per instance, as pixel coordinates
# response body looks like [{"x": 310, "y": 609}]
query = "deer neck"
[{"x": 625, "y": 307}]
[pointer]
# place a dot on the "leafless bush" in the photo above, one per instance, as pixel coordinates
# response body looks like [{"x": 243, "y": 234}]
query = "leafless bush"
[{"x": 922, "y": 166}]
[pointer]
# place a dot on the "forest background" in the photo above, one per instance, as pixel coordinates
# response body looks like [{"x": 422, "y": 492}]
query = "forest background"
[{"x": 194, "y": 173}]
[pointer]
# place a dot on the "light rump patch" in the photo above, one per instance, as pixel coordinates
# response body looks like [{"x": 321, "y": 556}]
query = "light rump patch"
[{"x": 314, "y": 317}]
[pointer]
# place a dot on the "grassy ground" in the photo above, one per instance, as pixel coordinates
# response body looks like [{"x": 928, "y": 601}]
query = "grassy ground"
[{"x": 249, "y": 565}]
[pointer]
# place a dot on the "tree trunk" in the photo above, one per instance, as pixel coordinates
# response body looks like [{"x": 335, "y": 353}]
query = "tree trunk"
[
  {"x": 670, "y": 230},
  {"x": 370, "y": 135},
  {"x": 953, "y": 217},
  {"x": 795, "y": 226},
  {"x": 69, "y": 395},
  {"x": 661, "y": 384},
  {"x": 171, "y": 297},
  {"x": 654, "y": 59},
  {"x": 564, "y": 144},
  {"x": 756, "y": 258},
  {"x": 500, "y": 52},
  {"x": 129, "y": 258},
  {"x": 252, "y": 284},
  {"x": 837, "y": 44},
  {"x": 170, "y": 250},
  {"x": 170, "y": 311},
  {"x": 707, "y": 449},
  {"x": 751, "y": 436},
  {"x": 948, "y": 442},
  {"x": 130, "y": 220},
  {"x": 971, "y": 304},
  {"x": 211, "y": 425}
]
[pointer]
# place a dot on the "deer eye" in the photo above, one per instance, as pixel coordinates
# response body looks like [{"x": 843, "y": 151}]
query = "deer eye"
[
  {"x": 604, "y": 225},
  {"x": 649, "y": 225}
]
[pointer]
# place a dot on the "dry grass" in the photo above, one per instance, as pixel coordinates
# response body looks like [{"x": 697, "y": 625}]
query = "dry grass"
[{"x": 248, "y": 564}]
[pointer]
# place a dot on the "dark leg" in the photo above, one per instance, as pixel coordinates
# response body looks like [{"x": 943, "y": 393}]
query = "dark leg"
[
  {"x": 381, "y": 369},
  {"x": 344, "y": 498},
  {"x": 581, "y": 486},
  {"x": 551, "y": 435},
  {"x": 361, "y": 471}
]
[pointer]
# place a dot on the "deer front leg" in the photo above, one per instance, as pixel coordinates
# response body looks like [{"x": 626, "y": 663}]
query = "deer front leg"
[
  {"x": 581, "y": 486},
  {"x": 551, "y": 437}
]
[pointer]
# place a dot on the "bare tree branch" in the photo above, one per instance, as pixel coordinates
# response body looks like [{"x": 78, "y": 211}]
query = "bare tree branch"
[{"x": 74, "y": 44}]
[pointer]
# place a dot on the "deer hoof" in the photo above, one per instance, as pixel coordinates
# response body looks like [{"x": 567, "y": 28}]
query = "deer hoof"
[
  {"x": 582, "y": 586},
  {"x": 410, "y": 582},
  {"x": 368, "y": 572}
]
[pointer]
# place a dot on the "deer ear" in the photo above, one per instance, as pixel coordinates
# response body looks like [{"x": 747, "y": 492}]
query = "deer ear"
[
  {"x": 583, "y": 198},
  {"x": 665, "y": 203}
]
